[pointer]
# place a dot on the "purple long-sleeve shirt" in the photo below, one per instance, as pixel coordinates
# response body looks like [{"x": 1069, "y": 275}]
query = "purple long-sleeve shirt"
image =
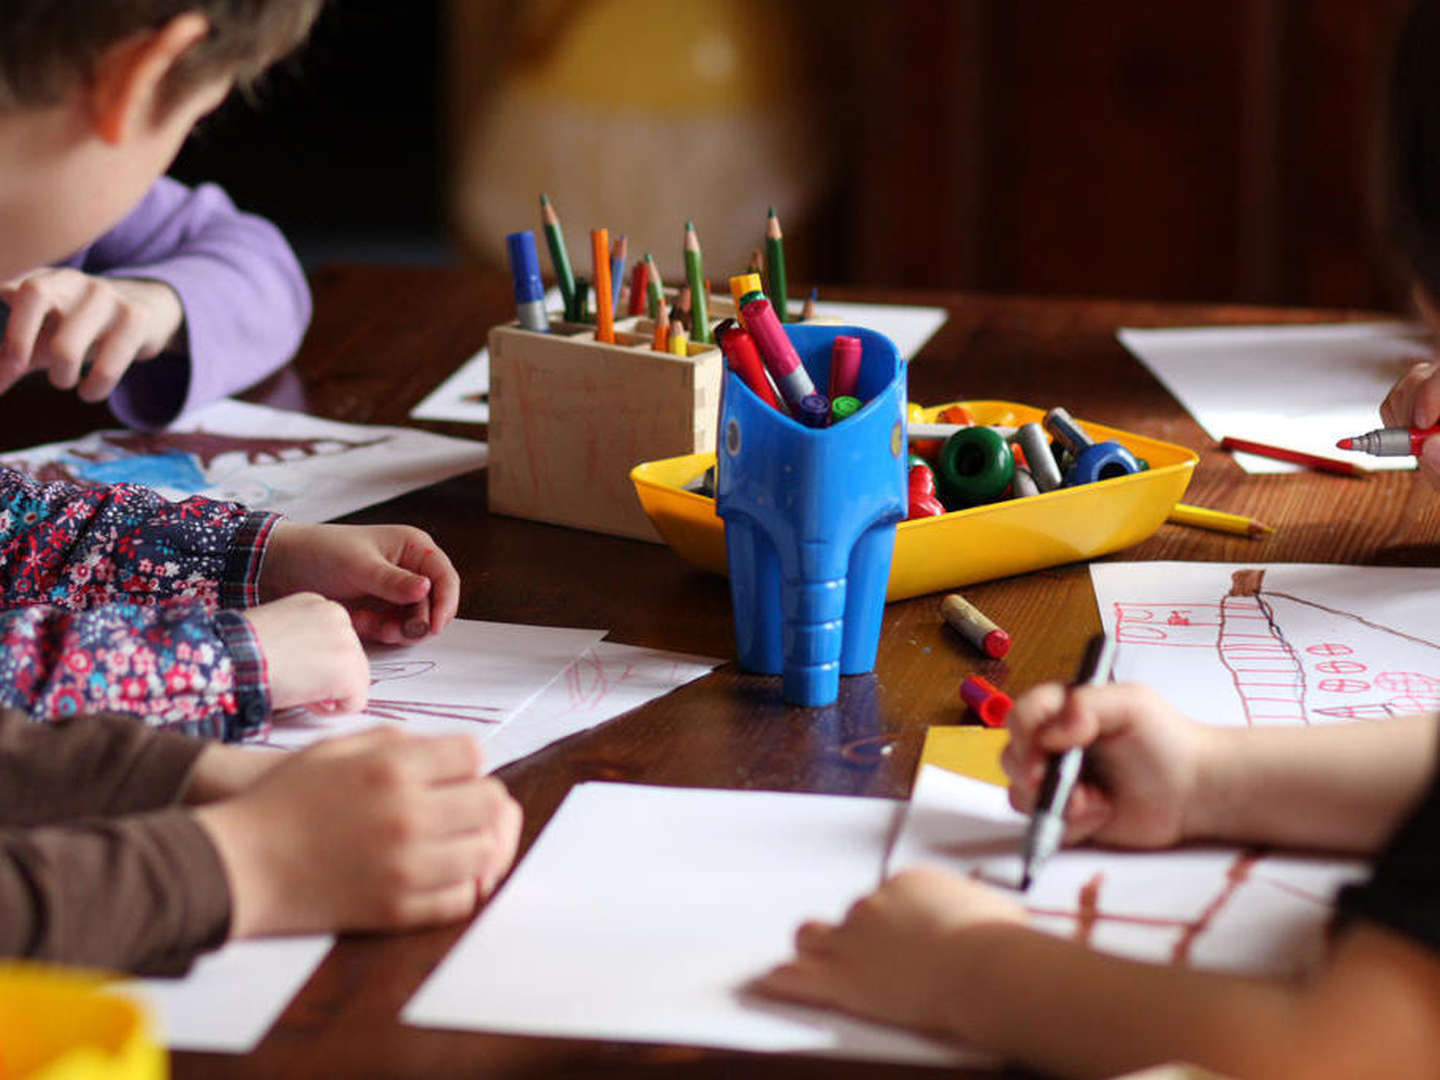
[{"x": 245, "y": 298}]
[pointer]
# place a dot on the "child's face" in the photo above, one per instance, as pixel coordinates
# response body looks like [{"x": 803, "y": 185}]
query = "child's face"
[{"x": 80, "y": 189}]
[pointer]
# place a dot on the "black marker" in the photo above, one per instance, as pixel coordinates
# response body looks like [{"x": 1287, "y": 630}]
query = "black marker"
[{"x": 1047, "y": 827}]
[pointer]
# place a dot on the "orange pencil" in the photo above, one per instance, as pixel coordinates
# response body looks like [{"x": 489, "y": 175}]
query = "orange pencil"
[
  {"x": 661, "y": 341},
  {"x": 604, "y": 295}
]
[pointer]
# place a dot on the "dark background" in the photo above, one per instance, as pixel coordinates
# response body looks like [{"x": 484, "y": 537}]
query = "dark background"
[{"x": 1217, "y": 150}]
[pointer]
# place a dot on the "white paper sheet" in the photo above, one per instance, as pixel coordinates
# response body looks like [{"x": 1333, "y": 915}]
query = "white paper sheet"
[
  {"x": 1301, "y": 387},
  {"x": 465, "y": 395},
  {"x": 1213, "y": 908},
  {"x": 1313, "y": 644},
  {"x": 471, "y": 678},
  {"x": 641, "y": 913},
  {"x": 304, "y": 467},
  {"x": 607, "y": 680},
  {"x": 231, "y": 997}
]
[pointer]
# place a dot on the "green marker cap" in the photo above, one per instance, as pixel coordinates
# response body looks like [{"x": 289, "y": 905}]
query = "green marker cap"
[{"x": 844, "y": 407}]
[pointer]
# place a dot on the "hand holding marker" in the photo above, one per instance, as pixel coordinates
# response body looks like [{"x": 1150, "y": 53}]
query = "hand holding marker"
[{"x": 1389, "y": 442}]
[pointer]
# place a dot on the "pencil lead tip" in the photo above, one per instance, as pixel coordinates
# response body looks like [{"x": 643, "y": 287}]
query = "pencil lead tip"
[
  {"x": 690, "y": 225},
  {"x": 1025, "y": 882},
  {"x": 544, "y": 199},
  {"x": 772, "y": 212}
]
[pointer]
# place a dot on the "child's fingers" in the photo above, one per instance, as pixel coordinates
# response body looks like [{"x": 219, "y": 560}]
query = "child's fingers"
[
  {"x": 440, "y": 759},
  {"x": 75, "y": 335},
  {"x": 432, "y": 907},
  {"x": 444, "y": 597},
  {"x": 112, "y": 357},
  {"x": 417, "y": 620},
  {"x": 27, "y": 318},
  {"x": 395, "y": 584},
  {"x": 799, "y": 980},
  {"x": 1426, "y": 408}
]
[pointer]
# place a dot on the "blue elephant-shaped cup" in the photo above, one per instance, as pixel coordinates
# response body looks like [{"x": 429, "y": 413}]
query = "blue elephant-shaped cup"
[{"x": 810, "y": 516}]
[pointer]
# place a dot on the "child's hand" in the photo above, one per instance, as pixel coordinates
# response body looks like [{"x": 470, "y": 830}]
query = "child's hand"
[
  {"x": 375, "y": 831},
  {"x": 60, "y": 320},
  {"x": 1414, "y": 401},
  {"x": 395, "y": 581},
  {"x": 889, "y": 959},
  {"x": 312, "y": 656},
  {"x": 1142, "y": 770}
]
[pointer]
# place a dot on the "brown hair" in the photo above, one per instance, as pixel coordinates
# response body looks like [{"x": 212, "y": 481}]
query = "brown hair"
[{"x": 47, "y": 46}]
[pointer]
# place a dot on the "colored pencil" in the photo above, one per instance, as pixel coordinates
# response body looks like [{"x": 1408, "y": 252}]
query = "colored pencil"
[
  {"x": 559, "y": 257},
  {"x": 776, "y": 288},
  {"x": 1202, "y": 517},
  {"x": 1298, "y": 457},
  {"x": 655, "y": 286},
  {"x": 639, "y": 278},
  {"x": 808, "y": 311},
  {"x": 695, "y": 274},
  {"x": 661, "y": 339},
  {"x": 604, "y": 295},
  {"x": 679, "y": 340},
  {"x": 757, "y": 262},
  {"x": 618, "y": 252}
]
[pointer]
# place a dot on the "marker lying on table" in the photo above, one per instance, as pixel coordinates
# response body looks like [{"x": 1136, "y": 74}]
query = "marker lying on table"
[
  {"x": 1047, "y": 826},
  {"x": 1390, "y": 441},
  {"x": 1298, "y": 457}
]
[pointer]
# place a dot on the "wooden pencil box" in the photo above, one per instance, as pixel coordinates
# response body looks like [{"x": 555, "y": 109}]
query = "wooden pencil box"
[{"x": 570, "y": 417}]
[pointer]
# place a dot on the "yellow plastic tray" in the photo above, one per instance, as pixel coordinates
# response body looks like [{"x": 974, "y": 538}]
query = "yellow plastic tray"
[
  {"x": 960, "y": 548},
  {"x": 58, "y": 1024}
]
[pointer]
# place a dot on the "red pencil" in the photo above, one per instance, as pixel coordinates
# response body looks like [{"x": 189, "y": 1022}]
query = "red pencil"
[{"x": 1299, "y": 457}]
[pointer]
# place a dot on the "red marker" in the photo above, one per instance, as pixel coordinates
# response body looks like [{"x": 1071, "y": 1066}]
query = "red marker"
[
  {"x": 744, "y": 359},
  {"x": 1390, "y": 441},
  {"x": 974, "y": 626},
  {"x": 780, "y": 357},
  {"x": 1299, "y": 457},
  {"x": 844, "y": 366},
  {"x": 990, "y": 703}
]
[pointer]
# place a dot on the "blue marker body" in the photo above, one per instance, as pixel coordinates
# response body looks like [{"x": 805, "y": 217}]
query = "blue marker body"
[{"x": 529, "y": 289}]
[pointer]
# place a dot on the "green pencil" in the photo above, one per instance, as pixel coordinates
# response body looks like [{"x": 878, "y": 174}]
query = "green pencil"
[
  {"x": 559, "y": 257},
  {"x": 695, "y": 274},
  {"x": 655, "y": 287},
  {"x": 775, "y": 267}
]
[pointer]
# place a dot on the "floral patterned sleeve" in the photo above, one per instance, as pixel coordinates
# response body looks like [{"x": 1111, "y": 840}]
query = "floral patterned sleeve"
[
  {"x": 113, "y": 598},
  {"x": 74, "y": 546}
]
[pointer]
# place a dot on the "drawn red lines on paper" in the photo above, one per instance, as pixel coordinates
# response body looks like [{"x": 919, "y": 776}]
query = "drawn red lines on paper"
[
  {"x": 1268, "y": 673},
  {"x": 1089, "y": 913}
]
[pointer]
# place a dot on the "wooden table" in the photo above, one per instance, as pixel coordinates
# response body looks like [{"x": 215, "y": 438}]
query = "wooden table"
[{"x": 384, "y": 337}]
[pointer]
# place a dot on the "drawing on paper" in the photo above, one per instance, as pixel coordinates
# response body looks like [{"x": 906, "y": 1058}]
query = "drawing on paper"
[
  {"x": 189, "y": 461},
  {"x": 1290, "y": 659}
]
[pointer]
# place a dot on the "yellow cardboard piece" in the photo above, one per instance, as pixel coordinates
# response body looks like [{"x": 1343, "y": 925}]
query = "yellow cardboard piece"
[{"x": 969, "y": 751}]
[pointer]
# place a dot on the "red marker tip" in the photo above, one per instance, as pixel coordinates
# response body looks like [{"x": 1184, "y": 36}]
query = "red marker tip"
[
  {"x": 1345, "y": 444},
  {"x": 997, "y": 644}
]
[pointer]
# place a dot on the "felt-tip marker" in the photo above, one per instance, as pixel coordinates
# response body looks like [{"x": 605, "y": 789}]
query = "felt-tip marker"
[
  {"x": 1047, "y": 826},
  {"x": 1390, "y": 441},
  {"x": 529, "y": 289}
]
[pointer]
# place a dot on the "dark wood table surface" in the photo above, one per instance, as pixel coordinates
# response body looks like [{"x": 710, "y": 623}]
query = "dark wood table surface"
[{"x": 383, "y": 337}]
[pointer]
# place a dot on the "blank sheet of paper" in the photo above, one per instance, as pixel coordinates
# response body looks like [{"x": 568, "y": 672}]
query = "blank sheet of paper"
[
  {"x": 642, "y": 912},
  {"x": 1301, "y": 387},
  {"x": 1275, "y": 643},
  {"x": 231, "y": 997},
  {"x": 1215, "y": 908}
]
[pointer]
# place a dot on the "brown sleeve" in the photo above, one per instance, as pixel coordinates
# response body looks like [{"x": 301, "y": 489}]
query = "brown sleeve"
[
  {"x": 98, "y": 765},
  {"x": 144, "y": 893}
]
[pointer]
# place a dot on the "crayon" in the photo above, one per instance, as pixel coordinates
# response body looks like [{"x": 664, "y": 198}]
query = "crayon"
[
  {"x": 844, "y": 366},
  {"x": 781, "y": 359},
  {"x": 639, "y": 277},
  {"x": 1298, "y": 457},
  {"x": 975, "y": 626},
  {"x": 808, "y": 311},
  {"x": 989, "y": 702},
  {"x": 775, "y": 264},
  {"x": 529, "y": 289},
  {"x": 1217, "y": 521},
  {"x": 559, "y": 257},
  {"x": 604, "y": 294},
  {"x": 695, "y": 272},
  {"x": 743, "y": 358}
]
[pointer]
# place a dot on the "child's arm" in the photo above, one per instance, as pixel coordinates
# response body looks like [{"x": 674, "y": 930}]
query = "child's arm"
[
  {"x": 243, "y": 296},
  {"x": 378, "y": 830},
  {"x": 1153, "y": 778},
  {"x": 946, "y": 954}
]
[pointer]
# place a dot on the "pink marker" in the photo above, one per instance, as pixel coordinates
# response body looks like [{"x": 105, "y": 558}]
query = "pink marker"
[
  {"x": 778, "y": 353},
  {"x": 844, "y": 366}
]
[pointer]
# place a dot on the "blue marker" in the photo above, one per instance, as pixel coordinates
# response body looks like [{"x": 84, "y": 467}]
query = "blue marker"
[{"x": 529, "y": 289}]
